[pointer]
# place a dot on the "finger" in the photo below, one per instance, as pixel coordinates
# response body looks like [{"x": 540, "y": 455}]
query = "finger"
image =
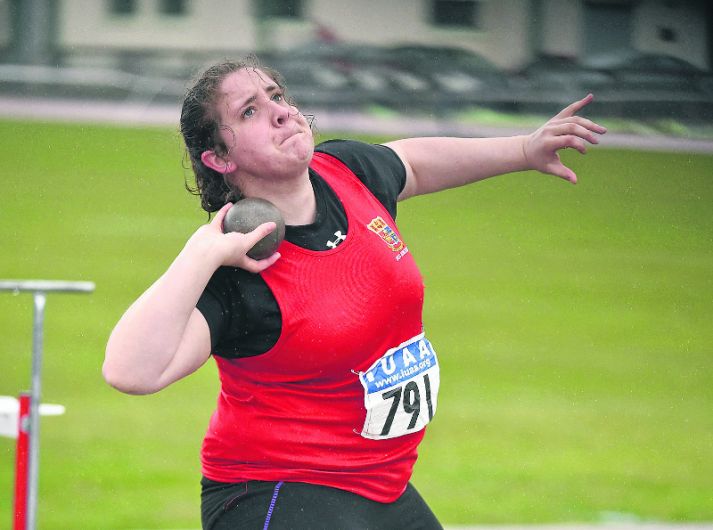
[
  {"x": 574, "y": 129},
  {"x": 575, "y": 107},
  {"x": 572, "y": 142},
  {"x": 579, "y": 120},
  {"x": 220, "y": 215},
  {"x": 255, "y": 266},
  {"x": 565, "y": 141},
  {"x": 251, "y": 238},
  {"x": 558, "y": 169},
  {"x": 590, "y": 125}
]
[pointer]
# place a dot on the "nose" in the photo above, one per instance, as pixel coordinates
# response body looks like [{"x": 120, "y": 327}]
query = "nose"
[{"x": 280, "y": 113}]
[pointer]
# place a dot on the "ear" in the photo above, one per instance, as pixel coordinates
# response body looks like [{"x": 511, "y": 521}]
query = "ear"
[{"x": 217, "y": 163}]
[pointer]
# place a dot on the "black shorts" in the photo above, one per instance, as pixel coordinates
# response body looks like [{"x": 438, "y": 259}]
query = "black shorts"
[{"x": 294, "y": 505}]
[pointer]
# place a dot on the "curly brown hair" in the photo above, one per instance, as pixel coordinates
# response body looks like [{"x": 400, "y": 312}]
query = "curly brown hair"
[{"x": 200, "y": 127}]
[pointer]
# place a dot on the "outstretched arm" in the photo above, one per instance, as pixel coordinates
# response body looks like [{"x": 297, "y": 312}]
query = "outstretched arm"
[
  {"x": 162, "y": 337},
  {"x": 434, "y": 164}
]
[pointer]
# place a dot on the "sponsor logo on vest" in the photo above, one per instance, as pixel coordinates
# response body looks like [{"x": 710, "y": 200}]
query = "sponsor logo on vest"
[
  {"x": 340, "y": 237},
  {"x": 389, "y": 236}
]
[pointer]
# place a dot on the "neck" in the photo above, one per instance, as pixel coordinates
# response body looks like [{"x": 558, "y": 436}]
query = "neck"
[{"x": 293, "y": 197}]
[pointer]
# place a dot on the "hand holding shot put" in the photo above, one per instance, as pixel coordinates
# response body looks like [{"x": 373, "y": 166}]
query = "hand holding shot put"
[
  {"x": 328, "y": 378},
  {"x": 232, "y": 248}
]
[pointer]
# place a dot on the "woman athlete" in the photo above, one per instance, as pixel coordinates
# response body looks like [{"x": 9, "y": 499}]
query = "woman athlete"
[{"x": 328, "y": 379}]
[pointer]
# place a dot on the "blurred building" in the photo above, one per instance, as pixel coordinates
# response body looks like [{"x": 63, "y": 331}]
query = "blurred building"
[
  {"x": 647, "y": 59},
  {"x": 165, "y": 34}
]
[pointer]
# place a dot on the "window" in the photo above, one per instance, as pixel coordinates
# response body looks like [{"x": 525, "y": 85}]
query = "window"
[
  {"x": 667, "y": 34},
  {"x": 172, "y": 7},
  {"x": 280, "y": 8},
  {"x": 122, "y": 7},
  {"x": 456, "y": 13}
]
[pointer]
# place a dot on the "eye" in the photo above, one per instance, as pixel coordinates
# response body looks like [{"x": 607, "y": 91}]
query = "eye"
[
  {"x": 277, "y": 96},
  {"x": 247, "y": 113}
]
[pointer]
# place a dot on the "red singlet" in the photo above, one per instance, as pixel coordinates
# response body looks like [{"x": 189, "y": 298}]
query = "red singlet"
[{"x": 296, "y": 412}]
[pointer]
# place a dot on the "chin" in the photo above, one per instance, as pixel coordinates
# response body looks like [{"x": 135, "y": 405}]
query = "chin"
[{"x": 307, "y": 149}]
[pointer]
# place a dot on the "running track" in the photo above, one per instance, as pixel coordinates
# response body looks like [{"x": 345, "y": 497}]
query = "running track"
[{"x": 133, "y": 113}]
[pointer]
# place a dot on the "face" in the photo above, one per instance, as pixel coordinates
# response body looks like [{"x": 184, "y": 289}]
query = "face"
[{"x": 265, "y": 136}]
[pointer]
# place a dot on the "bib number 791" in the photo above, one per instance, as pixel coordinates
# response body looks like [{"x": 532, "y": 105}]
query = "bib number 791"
[
  {"x": 401, "y": 390},
  {"x": 411, "y": 403}
]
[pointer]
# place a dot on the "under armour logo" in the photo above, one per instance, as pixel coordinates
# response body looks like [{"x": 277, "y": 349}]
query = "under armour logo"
[{"x": 340, "y": 237}]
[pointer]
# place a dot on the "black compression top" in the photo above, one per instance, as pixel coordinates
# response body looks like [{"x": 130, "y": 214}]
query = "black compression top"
[{"x": 242, "y": 314}]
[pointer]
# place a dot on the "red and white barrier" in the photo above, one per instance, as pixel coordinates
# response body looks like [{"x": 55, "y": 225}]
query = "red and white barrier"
[
  {"x": 22, "y": 419},
  {"x": 15, "y": 423}
]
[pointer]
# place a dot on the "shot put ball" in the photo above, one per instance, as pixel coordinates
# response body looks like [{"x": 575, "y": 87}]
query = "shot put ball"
[{"x": 249, "y": 213}]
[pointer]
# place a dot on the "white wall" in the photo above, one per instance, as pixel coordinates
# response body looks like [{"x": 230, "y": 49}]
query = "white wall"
[
  {"x": 228, "y": 25},
  {"x": 505, "y": 38},
  {"x": 211, "y": 24},
  {"x": 561, "y": 30},
  {"x": 683, "y": 19}
]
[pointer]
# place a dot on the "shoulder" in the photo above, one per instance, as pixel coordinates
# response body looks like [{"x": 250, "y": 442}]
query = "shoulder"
[
  {"x": 361, "y": 155},
  {"x": 377, "y": 166}
]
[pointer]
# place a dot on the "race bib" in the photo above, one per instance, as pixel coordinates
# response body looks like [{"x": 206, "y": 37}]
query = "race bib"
[{"x": 401, "y": 390}]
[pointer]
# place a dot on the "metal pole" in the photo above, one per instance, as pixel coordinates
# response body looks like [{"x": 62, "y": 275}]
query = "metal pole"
[
  {"x": 39, "y": 288},
  {"x": 35, "y": 392},
  {"x": 57, "y": 286}
]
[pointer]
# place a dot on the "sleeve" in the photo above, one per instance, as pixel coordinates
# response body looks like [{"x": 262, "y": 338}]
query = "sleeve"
[
  {"x": 214, "y": 306},
  {"x": 242, "y": 314},
  {"x": 377, "y": 166}
]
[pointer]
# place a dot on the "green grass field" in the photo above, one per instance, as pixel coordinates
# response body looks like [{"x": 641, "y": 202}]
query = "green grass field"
[{"x": 573, "y": 325}]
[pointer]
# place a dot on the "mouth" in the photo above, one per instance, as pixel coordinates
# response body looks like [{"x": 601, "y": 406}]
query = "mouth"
[{"x": 291, "y": 135}]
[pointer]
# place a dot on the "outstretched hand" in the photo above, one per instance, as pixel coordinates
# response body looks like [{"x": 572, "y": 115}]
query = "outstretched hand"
[
  {"x": 565, "y": 130},
  {"x": 231, "y": 248}
]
